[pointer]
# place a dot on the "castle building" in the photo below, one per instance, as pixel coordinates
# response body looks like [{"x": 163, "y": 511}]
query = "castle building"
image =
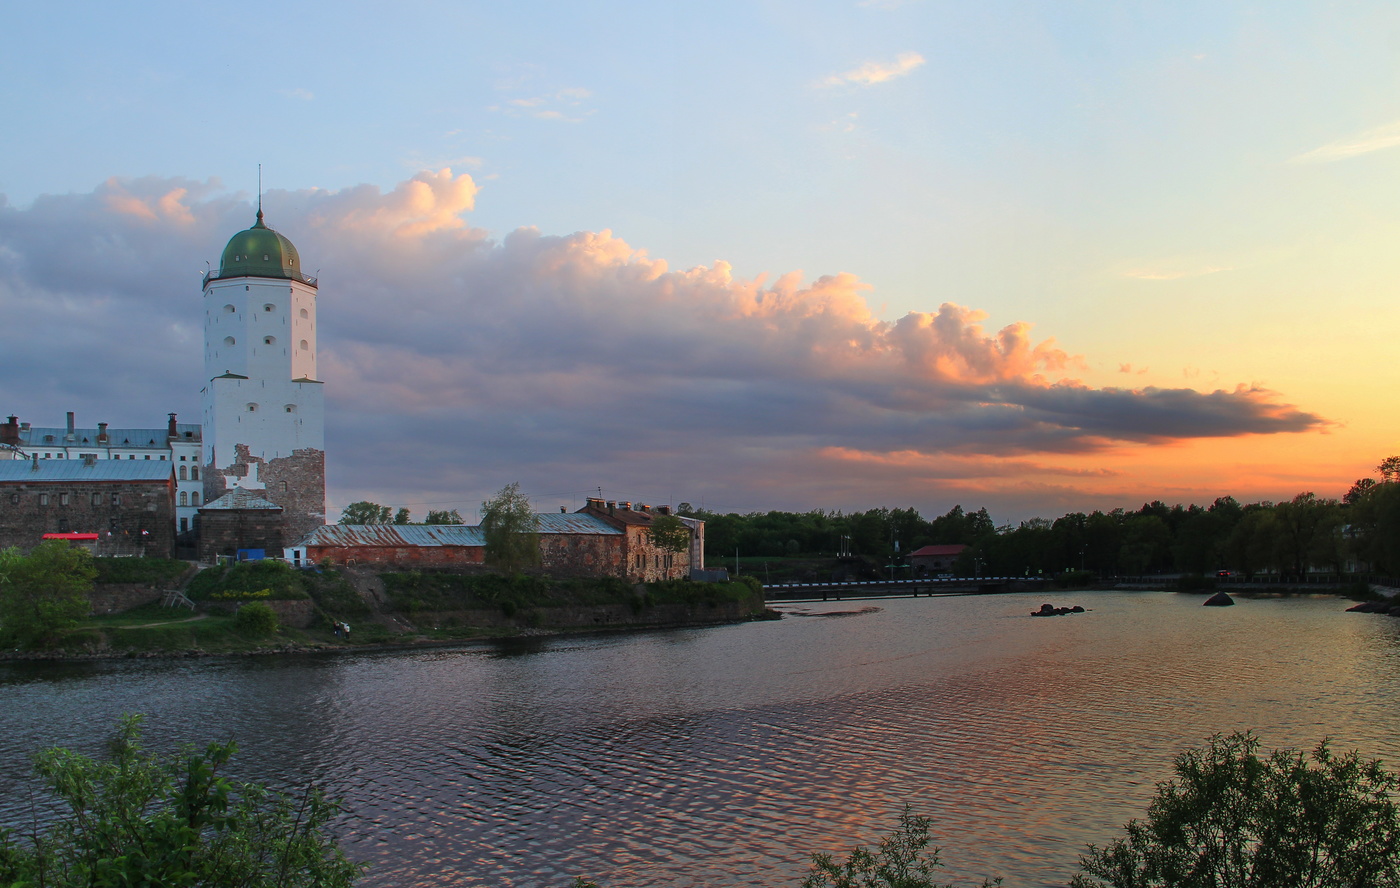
[{"x": 263, "y": 407}]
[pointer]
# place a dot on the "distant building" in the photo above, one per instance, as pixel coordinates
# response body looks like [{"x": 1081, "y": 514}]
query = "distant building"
[
  {"x": 129, "y": 504},
  {"x": 644, "y": 560},
  {"x": 935, "y": 559},
  {"x": 178, "y": 444},
  {"x": 602, "y": 539}
]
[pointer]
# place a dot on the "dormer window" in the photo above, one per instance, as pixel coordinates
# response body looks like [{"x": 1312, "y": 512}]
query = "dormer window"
[
  {"x": 269, "y": 340},
  {"x": 269, "y": 307}
]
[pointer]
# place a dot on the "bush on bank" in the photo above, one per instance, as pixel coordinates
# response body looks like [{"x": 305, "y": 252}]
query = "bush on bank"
[
  {"x": 162, "y": 572},
  {"x": 278, "y": 578},
  {"x": 414, "y": 592}
]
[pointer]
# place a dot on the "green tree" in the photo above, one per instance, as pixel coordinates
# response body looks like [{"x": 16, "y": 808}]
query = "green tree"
[
  {"x": 365, "y": 512},
  {"x": 43, "y": 593},
  {"x": 437, "y": 516},
  {"x": 670, "y": 534},
  {"x": 401, "y": 516},
  {"x": 256, "y": 619},
  {"x": 511, "y": 530},
  {"x": 140, "y": 819},
  {"x": 1235, "y": 819},
  {"x": 901, "y": 861}
]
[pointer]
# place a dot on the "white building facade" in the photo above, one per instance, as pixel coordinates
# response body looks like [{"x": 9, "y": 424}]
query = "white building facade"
[{"x": 263, "y": 407}]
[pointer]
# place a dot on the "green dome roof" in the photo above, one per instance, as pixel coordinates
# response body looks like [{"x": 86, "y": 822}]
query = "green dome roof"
[{"x": 260, "y": 252}]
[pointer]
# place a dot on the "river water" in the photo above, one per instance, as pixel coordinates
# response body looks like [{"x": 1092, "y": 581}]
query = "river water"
[{"x": 721, "y": 756}]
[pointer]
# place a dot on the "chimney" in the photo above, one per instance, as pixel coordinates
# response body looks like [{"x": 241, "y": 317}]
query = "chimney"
[
  {"x": 24, "y": 427},
  {"x": 563, "y": 510},
  {"x": 35, "y": 467},
  {"x": 171, "y": 431},
  {"x": 665, "y": 510},
  {"x": 102, "y": 433},
  {"x": 9, "y": 432},
  {"x": 89, "y": 459},
  {"x": 612, "y": 507},
  {"x": 622, "y": 505},
  {"x": 70, "y": 426}
]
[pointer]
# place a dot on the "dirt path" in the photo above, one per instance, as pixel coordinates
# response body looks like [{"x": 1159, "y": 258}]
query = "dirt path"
[{"x": 192, "y": 619}]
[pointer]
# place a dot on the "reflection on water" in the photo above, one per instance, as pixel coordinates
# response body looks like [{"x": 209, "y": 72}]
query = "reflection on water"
[{"x": 721, "y": 756}]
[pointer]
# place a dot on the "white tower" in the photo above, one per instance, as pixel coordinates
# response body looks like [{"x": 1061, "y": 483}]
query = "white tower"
[{"x": 264, "y": 415}]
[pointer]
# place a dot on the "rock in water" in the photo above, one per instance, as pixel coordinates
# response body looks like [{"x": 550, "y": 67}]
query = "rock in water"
[{"x": 1219, "y": 599}]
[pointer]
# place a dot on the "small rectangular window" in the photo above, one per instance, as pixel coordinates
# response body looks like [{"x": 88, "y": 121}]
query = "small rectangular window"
[
  {"x": 43, "y": 499},
  {"x": 63, "y": 499},
  {"x": 97, "y": 499},
  {"x": 116, "y": 499}
]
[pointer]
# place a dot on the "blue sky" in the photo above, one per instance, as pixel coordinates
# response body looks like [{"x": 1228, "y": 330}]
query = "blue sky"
[{"x": 1184, "y": 197}]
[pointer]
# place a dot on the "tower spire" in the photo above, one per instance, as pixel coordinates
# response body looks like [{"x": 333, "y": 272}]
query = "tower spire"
[{"x": 260, "y": 215}]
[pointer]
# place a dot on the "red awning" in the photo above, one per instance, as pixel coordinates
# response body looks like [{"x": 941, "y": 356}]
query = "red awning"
[{"x": 79, "y": 537}]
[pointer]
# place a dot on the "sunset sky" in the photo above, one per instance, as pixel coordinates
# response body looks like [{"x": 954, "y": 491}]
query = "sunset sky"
[{"x": 1036, "y": 257}]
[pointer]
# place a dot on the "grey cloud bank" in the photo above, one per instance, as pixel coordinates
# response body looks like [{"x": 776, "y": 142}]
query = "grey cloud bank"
[{"x": 456, "y": 363}]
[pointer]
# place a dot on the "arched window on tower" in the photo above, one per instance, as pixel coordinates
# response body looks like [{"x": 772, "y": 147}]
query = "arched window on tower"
[
  {"x": 194, "y": 473},
  {"x": 229, "y": 340},
  {"x": 184, "y": 498},
  {"x": 252, "y": 408},
  {"x": 269, "y": 340},
  {"x": 182, "y": 473},
  {"x": 305, "y": 346},
  {"x": 229, "y": 309},
  {"x": 290, "y": 408},
  {"x": 305, "y": 313},
  {"x": 269, "y": 307}
]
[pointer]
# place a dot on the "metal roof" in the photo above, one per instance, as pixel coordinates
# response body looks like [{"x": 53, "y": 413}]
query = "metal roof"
[
  {"x": 575, "y": 522},
  {"x": 87, "y": 437},
  {"x": 394, "y": 535},
  {"x": 427, "y": 535},
  {"x": 21, "y": 470},
  {"x": 949, "y": 549},
  {"x": 239, "y": 498}
]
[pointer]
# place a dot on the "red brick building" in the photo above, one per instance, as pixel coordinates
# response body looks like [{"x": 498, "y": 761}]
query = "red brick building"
[{"x": 934, "y": 560}]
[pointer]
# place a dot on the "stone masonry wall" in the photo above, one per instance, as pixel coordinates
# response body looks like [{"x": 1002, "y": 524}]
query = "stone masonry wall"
[
  {"x": 582, "y": 555},
  {"x": 131, "y": 517},
  {"x": 297, "y": 483},
  {"x": 225, "y": 531}
]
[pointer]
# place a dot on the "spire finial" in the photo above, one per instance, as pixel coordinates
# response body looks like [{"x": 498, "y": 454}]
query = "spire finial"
[{"x": 260, "y": 215}]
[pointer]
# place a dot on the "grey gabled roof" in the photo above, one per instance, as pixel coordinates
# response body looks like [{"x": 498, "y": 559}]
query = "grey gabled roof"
[{"x": 238, "y": 498}]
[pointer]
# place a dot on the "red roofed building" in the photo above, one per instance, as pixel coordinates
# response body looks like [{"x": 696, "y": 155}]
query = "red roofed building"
[{"x": 935, "y": 559}]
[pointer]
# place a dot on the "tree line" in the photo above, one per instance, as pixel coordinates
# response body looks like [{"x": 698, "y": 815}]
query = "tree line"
[{"x": 1358, "y": 533}]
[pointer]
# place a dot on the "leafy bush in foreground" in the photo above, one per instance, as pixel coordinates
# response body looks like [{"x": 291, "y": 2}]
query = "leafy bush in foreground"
[
  {"x": 1234, "y": 819},
  {"x": 140, "y": 819}
]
